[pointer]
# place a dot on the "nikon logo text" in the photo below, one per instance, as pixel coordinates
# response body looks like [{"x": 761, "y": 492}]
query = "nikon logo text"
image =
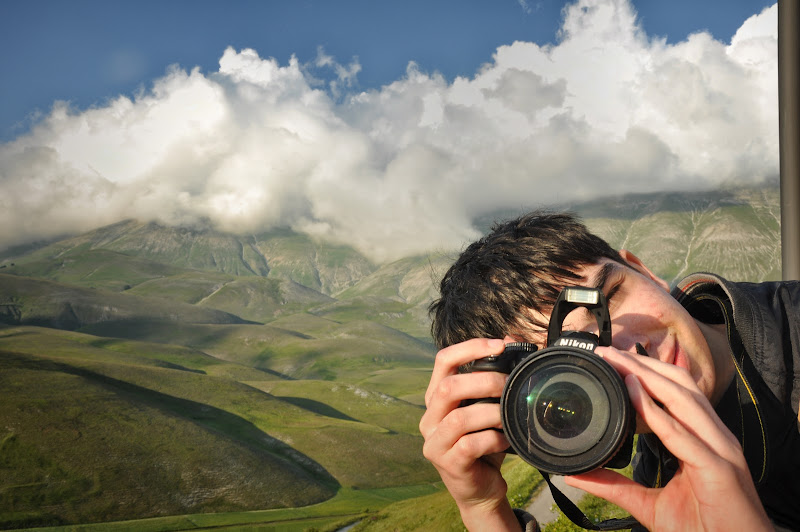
[{"x": 580, "y": 344}]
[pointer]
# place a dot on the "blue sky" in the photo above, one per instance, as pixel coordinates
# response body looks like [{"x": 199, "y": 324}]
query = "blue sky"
[
  {"x": 85, "y": 51},
  {"x": 389, "y": 126}
]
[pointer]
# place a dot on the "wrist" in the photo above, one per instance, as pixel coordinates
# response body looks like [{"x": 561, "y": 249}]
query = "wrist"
[{"x": 490, "y": 517}]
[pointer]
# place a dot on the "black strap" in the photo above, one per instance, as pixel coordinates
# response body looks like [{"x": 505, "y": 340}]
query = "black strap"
[{"x": 575, "y": 514}]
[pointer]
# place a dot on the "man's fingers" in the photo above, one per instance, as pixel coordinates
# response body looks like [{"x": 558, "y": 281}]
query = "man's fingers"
[
  {"x": 447, "y": 397},
  {"x": 465, "y": 435},
  {"x": 626, "y": 363},
  {"x": 461, "y": 421},
  {"x": 688, "y": 430},
  {"x": 448, "y": 359},
  {"x": 617, "y": 489},
  {"x": 684, "y": 403}
]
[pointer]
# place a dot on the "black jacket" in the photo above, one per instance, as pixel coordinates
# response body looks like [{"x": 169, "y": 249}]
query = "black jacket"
[{"x": 760, "y": 406}]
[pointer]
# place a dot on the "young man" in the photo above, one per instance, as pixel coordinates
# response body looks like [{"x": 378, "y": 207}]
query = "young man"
[{"x": 723, "y": 362}]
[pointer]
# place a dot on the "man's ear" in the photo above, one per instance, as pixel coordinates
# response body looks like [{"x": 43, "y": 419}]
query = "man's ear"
[{"x": 637, "y": 264}]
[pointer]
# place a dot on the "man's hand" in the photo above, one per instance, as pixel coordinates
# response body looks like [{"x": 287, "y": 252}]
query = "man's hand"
[
  {"x": 457, "y": 442},
  {"x": 712, "y": 489}
]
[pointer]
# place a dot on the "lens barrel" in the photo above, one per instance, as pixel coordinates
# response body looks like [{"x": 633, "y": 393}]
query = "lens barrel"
[{"x": 566, "y": 411}]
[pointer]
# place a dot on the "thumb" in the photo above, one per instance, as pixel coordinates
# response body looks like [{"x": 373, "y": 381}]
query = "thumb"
[{"x": 617, "y": 489}]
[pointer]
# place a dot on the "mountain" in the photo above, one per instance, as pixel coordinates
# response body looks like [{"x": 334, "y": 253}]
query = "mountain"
[
  {"x": 30, "y": 301},
  {"x": 150, "y": 370},
  {"x": 101, "y": 256},
  {"x": 735, "y": 232}
]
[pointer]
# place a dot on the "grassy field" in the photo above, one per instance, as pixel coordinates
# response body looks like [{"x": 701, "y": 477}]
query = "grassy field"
[
  {"x": 404, "y": 509},
  {"x": 97, "y": 429},
  {"x": 438, "y": 511},
  {"x": 80, "y": 445},
  {"x": 346, "y": 507}
]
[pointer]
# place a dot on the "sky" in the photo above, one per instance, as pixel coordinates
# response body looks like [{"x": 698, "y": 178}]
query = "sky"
[{"x": 386, "y": 125}]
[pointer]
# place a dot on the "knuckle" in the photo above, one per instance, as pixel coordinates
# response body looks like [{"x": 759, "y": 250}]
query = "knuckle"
[
  {"x": 467, "y": 447},
  {"x": 423, "y": 427},
  {"x": 679, "y": 398},
  {"x": 444, "y": 390},
  {"x": 455, "y": 421},
  {"x": 446, "y": 356},
  {"x": 685, "y": 379},
  {"x": 426, "y": 452}
]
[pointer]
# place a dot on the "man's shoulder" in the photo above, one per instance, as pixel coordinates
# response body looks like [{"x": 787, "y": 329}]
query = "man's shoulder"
[
  {"x": 766, "y": 318},
  {"x": 753, "y": 304}
]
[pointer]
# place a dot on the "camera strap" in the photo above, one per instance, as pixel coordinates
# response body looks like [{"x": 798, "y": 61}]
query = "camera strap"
[{"x": 575, "y": 514}]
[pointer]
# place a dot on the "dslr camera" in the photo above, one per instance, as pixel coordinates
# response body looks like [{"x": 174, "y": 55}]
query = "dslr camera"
[{"x": 565, "y": 410}]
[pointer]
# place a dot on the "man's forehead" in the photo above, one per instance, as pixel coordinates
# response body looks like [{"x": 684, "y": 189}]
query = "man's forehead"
[
  {"x": 596, "y": 275},
  {"x": 591, "y": 275},
  {"x": 599, "y": 274}
]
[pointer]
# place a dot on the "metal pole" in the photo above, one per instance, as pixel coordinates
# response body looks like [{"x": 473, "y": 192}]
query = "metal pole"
[{"x": 789, "y": 131}]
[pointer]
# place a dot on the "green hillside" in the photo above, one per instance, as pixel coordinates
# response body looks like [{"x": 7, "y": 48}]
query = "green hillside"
[
  {"x": 396, "y": 294},
  {"x": 92, "y": 268},
  {"x": 252, "y": 298},
  {"x": 30, "y": 301},
  {"x": 735, "y": 233},
  {"x": 101, "y": 417},
  {"x": 81, "y": 445},
  {"x": 135, "y": 252}
]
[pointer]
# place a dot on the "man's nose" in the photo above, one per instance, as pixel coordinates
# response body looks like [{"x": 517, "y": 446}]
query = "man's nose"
[
  {"x": 632, "y": 343},
  {"x": 641, "y": 350}
]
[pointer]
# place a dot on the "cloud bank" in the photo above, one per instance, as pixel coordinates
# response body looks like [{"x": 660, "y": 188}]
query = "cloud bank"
[{"x": 405, "y": 168}]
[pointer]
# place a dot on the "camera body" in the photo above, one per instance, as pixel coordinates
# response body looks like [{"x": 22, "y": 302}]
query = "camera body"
[{"x": 565, "y": 410}]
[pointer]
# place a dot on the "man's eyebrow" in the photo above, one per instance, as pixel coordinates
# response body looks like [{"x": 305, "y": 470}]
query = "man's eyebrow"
[{"x": 602, "y": 276}]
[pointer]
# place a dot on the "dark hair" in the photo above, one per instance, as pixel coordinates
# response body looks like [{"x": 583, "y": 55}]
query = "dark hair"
[{"x": 521, "y": 265}]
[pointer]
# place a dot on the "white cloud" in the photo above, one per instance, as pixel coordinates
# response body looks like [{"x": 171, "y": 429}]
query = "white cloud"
[
  {"x": 526, "y": 8},
  {"x": 404, "y": 168}
]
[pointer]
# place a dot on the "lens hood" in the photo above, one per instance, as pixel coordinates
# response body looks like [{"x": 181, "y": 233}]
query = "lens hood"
[{"x": 566, "y": 411}]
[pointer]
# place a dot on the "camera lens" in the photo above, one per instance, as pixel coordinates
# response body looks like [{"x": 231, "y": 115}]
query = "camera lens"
[{"x": 565, "y": 411}]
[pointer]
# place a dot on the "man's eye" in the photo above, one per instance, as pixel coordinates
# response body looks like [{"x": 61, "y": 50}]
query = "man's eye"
[
  {"x": 578, "y": 320},
  {"x": 611, "y": 293}
]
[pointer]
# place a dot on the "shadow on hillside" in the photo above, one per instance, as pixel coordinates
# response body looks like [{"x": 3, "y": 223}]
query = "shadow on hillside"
[
  {"x": 317, "y": 407},
  {"x": 204, "y": 415}
]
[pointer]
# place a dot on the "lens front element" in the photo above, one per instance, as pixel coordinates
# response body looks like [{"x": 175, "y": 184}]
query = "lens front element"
[{"x": 565, "y": 411}]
